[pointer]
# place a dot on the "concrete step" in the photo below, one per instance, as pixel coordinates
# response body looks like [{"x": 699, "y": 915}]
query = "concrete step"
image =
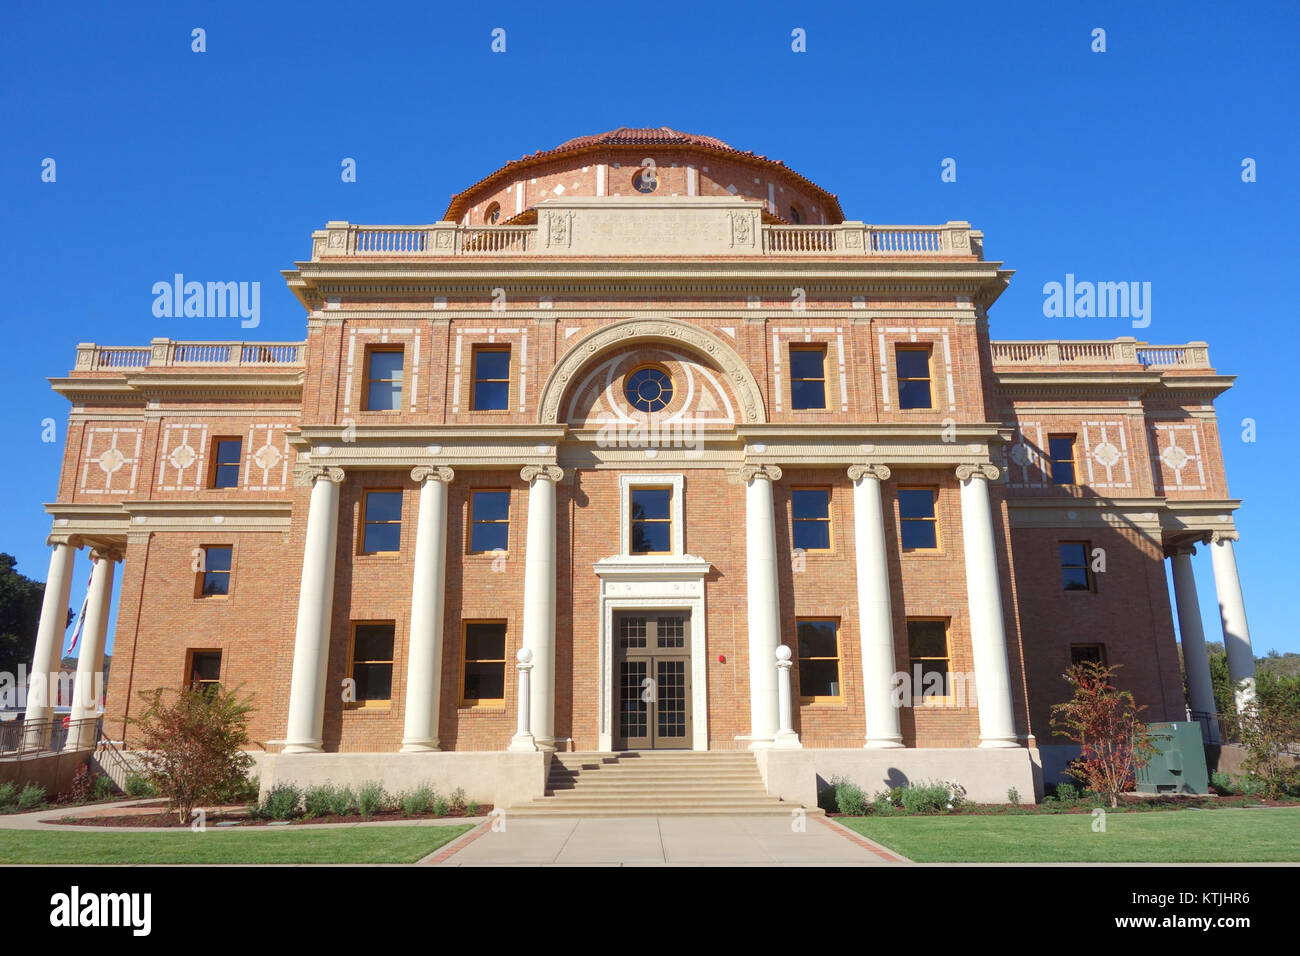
[
  {"x": 534, "y": 810},
  {"x": 666, "y": 786},
  {"x": 654, "y": 800}
]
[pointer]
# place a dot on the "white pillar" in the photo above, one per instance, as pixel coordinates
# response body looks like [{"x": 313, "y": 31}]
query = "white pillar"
[
  {"x": 1196, "y": 660},
  {"x": 984, "y": 597},
  {"x": 1232, "y": 612},
  {"x": 539, "y": 596},
  {"x": 49, "y": 644},
  {"x": 876, "y": 620},
  {"x": 428, "y": 589},
  {"x": 785, "y": 738},
  {"x": 764, "y": 611},
  {"x": 89, "y": 686},
  {"x": 523, "y": 739},
  {"x": 315, "y": 612}
]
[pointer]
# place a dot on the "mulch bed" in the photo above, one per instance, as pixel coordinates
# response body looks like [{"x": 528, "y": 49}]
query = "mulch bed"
[
  {"x": 239, "y": 817},
  {"x": 1126, "y": 801}
]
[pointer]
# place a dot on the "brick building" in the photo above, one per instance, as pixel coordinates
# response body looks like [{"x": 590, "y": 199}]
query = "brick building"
[{"x": 641, "y": 409}]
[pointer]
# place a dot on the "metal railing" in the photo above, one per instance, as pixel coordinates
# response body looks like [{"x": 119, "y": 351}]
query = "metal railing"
[{"x": 21, "y": 739}]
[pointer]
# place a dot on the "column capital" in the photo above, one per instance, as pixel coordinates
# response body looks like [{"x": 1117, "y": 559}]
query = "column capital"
[
  {"x": 748, "y": 472},
  {"x": 107, "y": 553},
  {"x": 423, "y": 473},
  {"x": 54, "y": 538},
  {"x": 879, "y": 472},
  {"x": 967, "y": 472},
  {"x": 1185, "y": 547},
  {"x": 305, "y": 476},
  {"x": 1215, "y": 537},
  {"x": 531, "y": 473}
]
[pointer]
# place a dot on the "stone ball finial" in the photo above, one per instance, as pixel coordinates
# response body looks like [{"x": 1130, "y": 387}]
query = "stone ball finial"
[
  {"x": 782, "y": 652},
  {"x": 524, "y": 655}
]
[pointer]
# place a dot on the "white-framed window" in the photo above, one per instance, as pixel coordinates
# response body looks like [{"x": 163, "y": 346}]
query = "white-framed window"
[{"x": 649, "y": 525}]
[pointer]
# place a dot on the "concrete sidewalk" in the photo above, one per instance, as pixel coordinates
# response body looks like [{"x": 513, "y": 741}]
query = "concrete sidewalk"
[{"x": 650, "y": 841}]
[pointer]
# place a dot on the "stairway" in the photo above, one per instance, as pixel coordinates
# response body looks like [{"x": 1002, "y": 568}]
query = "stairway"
[{"x": 654, "y": 783}]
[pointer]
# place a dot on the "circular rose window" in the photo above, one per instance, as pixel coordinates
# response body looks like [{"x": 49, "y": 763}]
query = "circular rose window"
[
  {"x": 649, "y": 389},
  {"x": 646, "y": 181}
]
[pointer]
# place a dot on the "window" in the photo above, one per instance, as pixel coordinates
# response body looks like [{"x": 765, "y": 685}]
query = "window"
[
  {"x": 485, "y": 663},
  {"x": 489, "y": 513},
  {"x": 1074, "y": 566},
  {"x": 928, "y": 657},
  {"x": 917, "y": 522},
  {"x": 649, "y": 389},
  {"x": 810, "y": 509},
  {"x": 652, "y": 520},
  {"x": 796, "y": 217},
  {"x": 645, "y": 181},
  {"x": 491, "y": 378},
  {"x": 214, "y": 579},
  {"x": 807, "y": 376},
  {"x": 204, "y": 670},
  {"x": 225, "y": 462},
  {"x": 1060, "y": 449},
  {"x": 382, "y": 520},
  {"x": 1080, "y": 653},
  {"x": 384, "y": 380},
  {"x": 819, "y": 660},
  {"x": 372, "y": 663},
  {"x": 493, "y": 214},
  {"x": 913, "y": 365}
]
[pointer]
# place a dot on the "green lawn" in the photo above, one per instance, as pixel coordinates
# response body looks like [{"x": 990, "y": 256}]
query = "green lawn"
[
  {"x": 289, "y": 845},
  {"x": 1173, "y": 836}
]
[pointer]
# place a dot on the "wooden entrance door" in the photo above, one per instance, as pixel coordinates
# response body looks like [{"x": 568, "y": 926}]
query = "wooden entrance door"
[{"x": 652, "y": 680}]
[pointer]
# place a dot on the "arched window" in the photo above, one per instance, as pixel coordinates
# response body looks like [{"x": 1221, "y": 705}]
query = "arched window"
[
  {"x": 796, "y": 217},
  {"x": 493, "y": 214}
]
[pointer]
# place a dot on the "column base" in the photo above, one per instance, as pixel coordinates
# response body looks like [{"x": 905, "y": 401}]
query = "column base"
[
  {"x": 786, "y": 740},
  {"x": 419, "y": 746},
  {"x": 884, "y": 743},
  {"x": 999, "y": 743},
  {"x": 307, "y": 747},
  {"x": 523, "y": 743},
  {"x": 757, "y": 743}
]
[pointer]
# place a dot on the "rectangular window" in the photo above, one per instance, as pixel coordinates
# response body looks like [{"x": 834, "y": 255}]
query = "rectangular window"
[
  {"x": 225, "y": 462},
  {"x": 1080, "y": 653},
  {"x": 912, "y": 363},
  {"x": 807, "y": 376},
  {"x": 382, "y": 522},
  {"x": 819, "y": 660},
  {"x": 489, "y": 521},
  {"x": 1060, "y": 449},
  {"x": 810, "y": 509},
  {"x": 384, "y": 380},
  {"x": 917, "y": 521},
  {"x": 1074, "y": 566},
  {"x": 372, "y": 663},
  {"x": 204, "y": 670},
  {"x": 491, "y": 378},
  {"x": 929, "y": 656},
  {"x": 485, "y": 663},
  {"x": 214, "y": 579},
  {"x": 652, "y": 520}
]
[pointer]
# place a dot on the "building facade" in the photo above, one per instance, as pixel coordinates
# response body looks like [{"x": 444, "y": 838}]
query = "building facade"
[{"x": 637, "y": 412}]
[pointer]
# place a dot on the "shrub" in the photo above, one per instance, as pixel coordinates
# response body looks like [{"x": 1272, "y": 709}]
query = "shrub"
[
  {"x": 32, "y": 797},
  {"x": 1013, "y": 797},
  {"x": 81, "y": 785},
  {"x": 1268, "y": 725},
  {"x": 137, "y": 785},
  {"x": 882, "y": 804},
  {"x": 848, "y": 797},
  {"x": 193, "y": 744},
  {"x": 319, "y": 800},
  {"x": 8, "y": 795},
  {"x": 417, "y": 801},
  {"x": 244, "y": 790},
  {"x": 1221, "y": 782},
  {"x": 104, "y": 787},
  {"x": 441, "y": 806},
  {"x": 458, "y": 799},
  {"x": 371, "y": 798},
  {"x": 1104, "y": 722},
  {"x": 925, "y": 797},
  {"x": 343, "y": 802},
  {"x": 282, "y": 803},
  {"x": 472, "y": 808},
  {"x": 1067, "y": 793}
]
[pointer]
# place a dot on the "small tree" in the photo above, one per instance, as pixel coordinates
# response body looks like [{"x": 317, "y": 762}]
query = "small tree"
[
  {"x": 193, "y": 743},
  {"x": 1269, "y": 727},
  {"x": 1103, "y": 721}
]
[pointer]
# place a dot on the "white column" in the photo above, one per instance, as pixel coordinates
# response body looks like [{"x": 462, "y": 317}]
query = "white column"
[
  {"x": 1196, "y": 660},
  {"x": 984, "y": 597},
  {"x": 785, "y": 736},
  {"x": 876, "y": 620},
  {"x": 89, "y": 686},
  {"x": 762, "y": 591},
  {"x": 1232, "y": 612},
  {"x": 523, "y": 740},
  {"x": 428, "y": 590},
  {"x": 315, "y": 612},
  {"x": 539, "y": 596},
  {"x": 49, "y": 643}
]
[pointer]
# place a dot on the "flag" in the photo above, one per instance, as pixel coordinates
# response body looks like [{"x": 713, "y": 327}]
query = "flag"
[{"x": 81, "y": 616}]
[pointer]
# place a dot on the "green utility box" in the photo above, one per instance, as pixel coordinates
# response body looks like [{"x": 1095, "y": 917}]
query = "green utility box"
[{"x": 1179, "y": 765}]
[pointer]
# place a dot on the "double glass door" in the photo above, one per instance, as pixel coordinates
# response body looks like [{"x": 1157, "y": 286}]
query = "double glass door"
[{"x": 652, "y": 679}]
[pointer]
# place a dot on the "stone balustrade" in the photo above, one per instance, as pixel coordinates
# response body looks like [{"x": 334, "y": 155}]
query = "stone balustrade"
[
  {"x": 1121, "y": 351},
  {"x": 165, "y": 353}
]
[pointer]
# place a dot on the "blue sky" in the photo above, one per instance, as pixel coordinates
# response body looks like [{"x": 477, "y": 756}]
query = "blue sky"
[{"x": 1123, "y": 165}]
